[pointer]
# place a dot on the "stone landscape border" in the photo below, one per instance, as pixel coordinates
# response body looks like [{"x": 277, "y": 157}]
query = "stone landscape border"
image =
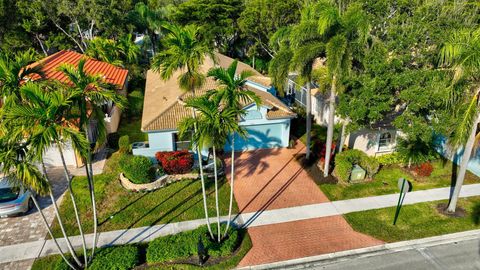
[{"x": 162, "y": 181}]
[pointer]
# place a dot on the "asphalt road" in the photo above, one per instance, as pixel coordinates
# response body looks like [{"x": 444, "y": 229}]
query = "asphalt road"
[{"x": 457, "y": 255}]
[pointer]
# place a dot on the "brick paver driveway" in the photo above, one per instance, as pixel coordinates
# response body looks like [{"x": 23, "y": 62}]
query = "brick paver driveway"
[
  {"x": 30, "y": 227},
  {"x": 272, "y": 179}
]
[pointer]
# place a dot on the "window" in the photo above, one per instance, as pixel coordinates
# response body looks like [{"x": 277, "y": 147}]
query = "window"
[
  {"x": 385, "y": 141},
  {"x": 181, "y": 144}
]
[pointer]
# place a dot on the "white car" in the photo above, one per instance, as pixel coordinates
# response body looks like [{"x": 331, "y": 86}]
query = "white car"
[{"x": 14, "y": 199}]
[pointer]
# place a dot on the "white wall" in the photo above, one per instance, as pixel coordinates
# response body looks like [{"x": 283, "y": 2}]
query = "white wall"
[
  {"x": 52, "y": 156},
  {"x": 368, "y": 141}
]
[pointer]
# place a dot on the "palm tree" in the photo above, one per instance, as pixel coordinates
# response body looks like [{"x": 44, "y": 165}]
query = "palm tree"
[
  {"x": 151, "y": 20},
  {"x": 43, "y": 114},
  {"x": 91, "y": 94},
  {"x": 462, "y": 53},
  {"x": 118, "y": 53},
  {"x": 186, "y": 51},
  {"x": 346, "y": 32},
  {"x": 233, "y": 93},
  {"x": 13, "y": 70},
  {"x": 299, "y": 47},
  {"x": 18, "y": 165},
  {"x": 213, "y": 125}
]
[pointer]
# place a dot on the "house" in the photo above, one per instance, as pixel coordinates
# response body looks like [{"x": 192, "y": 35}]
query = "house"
[
  {"x": 267, "y": 126},
  {"x": 113, "y": 75},
  {"x": 379, "y": 139}
]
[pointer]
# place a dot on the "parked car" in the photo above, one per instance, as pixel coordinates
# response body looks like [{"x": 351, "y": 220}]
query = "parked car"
[{"x": 14, "y": 199}]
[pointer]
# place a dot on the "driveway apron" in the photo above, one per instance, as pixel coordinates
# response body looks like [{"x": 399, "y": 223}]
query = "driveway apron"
[{"x": 270, "y": 179}]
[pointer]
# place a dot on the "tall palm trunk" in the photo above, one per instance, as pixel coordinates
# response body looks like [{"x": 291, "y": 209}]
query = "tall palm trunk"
[
  {"x": 45, "y": 222},
  {"x": 232, "y": 181},
  {"x": 309, "y": 118},
  {"x": 57, "y": 214},
  {"x": 342, "y": 137},
  {"x": 202, "y": 177},
  {"x": 467, "y": 153},
  {"x": 331, "y": 124},
  {"x": 74, "y": 203},
  {"x": 216, "y": 191},
  {"x": 91, "y": 189}
]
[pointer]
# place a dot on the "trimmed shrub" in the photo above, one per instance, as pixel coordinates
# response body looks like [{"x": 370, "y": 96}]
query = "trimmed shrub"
[
  {"x": 124, "y": 144},
  {"x": 176, "y": 162},
  {"x": 184, "y": 245},
  {"x": 116, "y": 258},
  {"x": 345, "y": 161},
  {"x": 112, "y": 258},
  {"x": 390, "y": 159},
  {"x": 137, "y": 169},
  {"x": 424, "y": 169}
]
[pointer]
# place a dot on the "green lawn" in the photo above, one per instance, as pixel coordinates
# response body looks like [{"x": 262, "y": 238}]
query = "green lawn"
[
  {"x": 385, "y": 182},
  {"x": 415, "y": 221},
  {"x": 122, "y": 209},
  {"x": 131, "y": 127}
]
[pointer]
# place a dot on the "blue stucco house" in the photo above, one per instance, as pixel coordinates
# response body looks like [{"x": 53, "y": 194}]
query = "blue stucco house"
[{"x": 267, "y": 126}]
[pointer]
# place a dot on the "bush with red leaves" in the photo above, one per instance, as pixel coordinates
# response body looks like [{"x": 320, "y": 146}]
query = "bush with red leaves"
[
  {"x": 176, "y": 162},
  {"x": 424, "y": 169}
]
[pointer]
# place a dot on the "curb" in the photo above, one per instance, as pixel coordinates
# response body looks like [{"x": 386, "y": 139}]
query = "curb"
[{"x": 329, "y": 258}]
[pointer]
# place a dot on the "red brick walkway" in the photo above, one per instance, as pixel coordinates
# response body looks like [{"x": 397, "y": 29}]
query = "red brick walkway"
[{"x": 272, "y": 179}]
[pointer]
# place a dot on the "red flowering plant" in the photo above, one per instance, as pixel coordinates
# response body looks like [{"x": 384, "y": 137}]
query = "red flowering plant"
[
  {"x": 175, "y": 162},
  {"x": 424, "y": 169}
]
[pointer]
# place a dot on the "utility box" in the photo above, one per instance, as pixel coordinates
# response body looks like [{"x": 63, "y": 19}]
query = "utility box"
[{"x": 357, "y": 175}]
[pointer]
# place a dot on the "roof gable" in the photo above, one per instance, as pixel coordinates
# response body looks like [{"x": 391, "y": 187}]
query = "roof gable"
[{"x": 163, "y": 110}]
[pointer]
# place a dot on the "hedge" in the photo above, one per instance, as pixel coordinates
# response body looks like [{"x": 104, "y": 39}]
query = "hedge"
[
  {"x": 112, "y": 258},
  {"x": 345, "y": 161},
  {"x": 176, "y": 162},
  {"x": 167, "y": 248},
  {"x": 390, "y": 159},
  {"x": 137, "y": 169}
]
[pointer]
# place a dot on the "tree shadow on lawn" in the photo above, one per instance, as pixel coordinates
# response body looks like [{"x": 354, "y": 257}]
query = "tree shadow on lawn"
[{"x": 208, "y": 184}]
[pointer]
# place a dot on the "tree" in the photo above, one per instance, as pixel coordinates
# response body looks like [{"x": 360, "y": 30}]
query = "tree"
[
  {"x": 186, "y": 51},
  {"x": 18, "y": 165},
  {"x": 346, "y": 32},
  {"x": 43, "y": 114},
  {"x": 91, "y": 93},
  {"x": 261, "y": 19},
  {"x": 461, "y": 52},
  {"x": 216, "y": 20},
  {"x": 13, "y": 70},
  {"x": 148, "y": 20},
  {"x": 232, "y": 93},
  {"x": 119, "y": 53},
  {"x": 299, "y": 47},
  {"x": 213, "y": 126}
]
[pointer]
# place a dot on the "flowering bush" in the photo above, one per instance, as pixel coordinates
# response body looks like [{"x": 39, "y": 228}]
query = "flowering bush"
[
  {"x": 323, "y": 150},
  {"x": 424, "y": 169},
  {"x": 176, "y": 162}
]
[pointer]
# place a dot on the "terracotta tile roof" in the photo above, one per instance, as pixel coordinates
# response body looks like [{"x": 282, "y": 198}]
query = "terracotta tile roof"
[
  {"x": 163, "y": 110},
  {"x": 114, "y": 75}
]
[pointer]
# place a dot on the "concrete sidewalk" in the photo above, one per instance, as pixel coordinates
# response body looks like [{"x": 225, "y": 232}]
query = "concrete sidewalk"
[{"x": 32, "y": 250}]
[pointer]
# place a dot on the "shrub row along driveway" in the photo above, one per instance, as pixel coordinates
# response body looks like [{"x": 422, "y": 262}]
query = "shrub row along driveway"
[{"x": 272, "y": 179}]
